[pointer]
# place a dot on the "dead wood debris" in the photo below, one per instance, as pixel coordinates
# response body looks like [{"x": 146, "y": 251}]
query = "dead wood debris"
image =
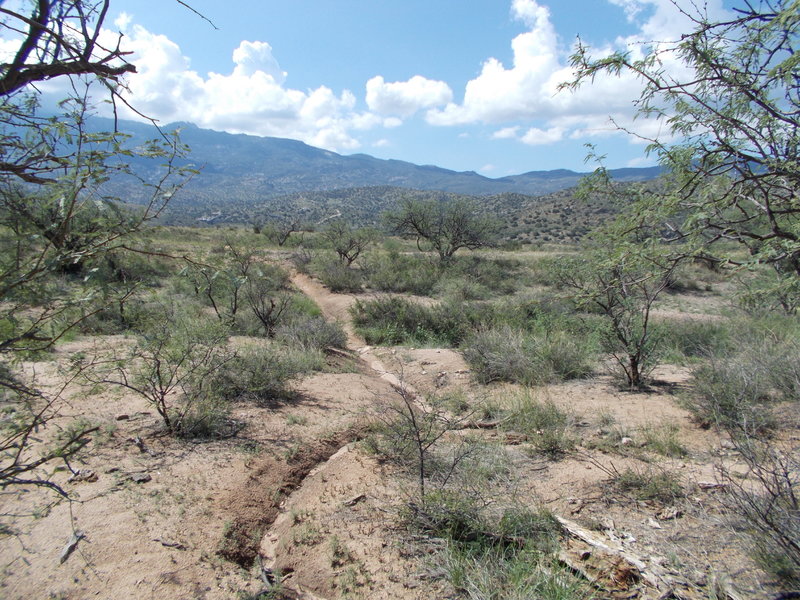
[
  {"x": 621, "y": 573},
  {"x": 77, "y": 536}
]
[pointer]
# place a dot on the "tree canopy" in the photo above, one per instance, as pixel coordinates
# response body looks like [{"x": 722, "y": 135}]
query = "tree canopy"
[
  {"x": 733, "y": 104},
  {"x": 57, "y": 215},
  {"x": 443, "y": 226}
]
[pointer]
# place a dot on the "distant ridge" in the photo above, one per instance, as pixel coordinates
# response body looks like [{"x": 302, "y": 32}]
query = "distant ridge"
[{"x": 242, "y": 169}]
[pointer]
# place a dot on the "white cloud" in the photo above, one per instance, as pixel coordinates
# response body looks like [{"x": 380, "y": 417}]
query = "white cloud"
[
  {"x": 256, "y": 57},
  {"x": 539, "y": 137},
  {"x": 123, "y": 21},
  {"x": 528, "y": 11},
  {"x": 505, "y": 133},
  {"x": 404, "y": 98},
  {"x": 641, "y": 161},
  {"x": 527, "y": 91},
  {"x": 252, "y": 98},
  {"x": 8, "y": 48},
  {"x": 381, "y": 143}
]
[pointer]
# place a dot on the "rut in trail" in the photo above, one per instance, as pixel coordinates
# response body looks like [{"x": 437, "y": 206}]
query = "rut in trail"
[
  {"x": 255, "y": 506},
  {"x": 336, "y": 307}
]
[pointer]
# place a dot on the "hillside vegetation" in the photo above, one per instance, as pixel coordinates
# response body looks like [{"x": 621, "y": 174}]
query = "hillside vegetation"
[{"x": 560, "y": 217}]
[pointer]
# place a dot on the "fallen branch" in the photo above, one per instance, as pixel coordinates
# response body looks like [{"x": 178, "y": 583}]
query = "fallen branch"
[
  {"x": 611, "y": 567},
  {"x": 77, "y": 536}
]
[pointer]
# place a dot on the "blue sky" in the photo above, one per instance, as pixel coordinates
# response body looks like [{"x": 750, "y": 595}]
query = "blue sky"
[{"x": 463, "y": 85}]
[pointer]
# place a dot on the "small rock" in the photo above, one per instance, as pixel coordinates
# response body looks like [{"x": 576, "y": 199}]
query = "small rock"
[
  {"x": 140, "y": 477},
  {"x": 626, "y": 441},
  {"x": 83, "y": 475},
  {"x": 653, "y": 523},
  {"x": 354, "y": 500},
  {"x": 669, "y": 513},
  {"x": 515, "y": 439},
  {"x": 424, "y": 372},
  {"x": 711, "y": 485},
  {"x": 122, "y": 417},
  {"x": 71, "y": 545},
  {"x": 170, "y": 544}
]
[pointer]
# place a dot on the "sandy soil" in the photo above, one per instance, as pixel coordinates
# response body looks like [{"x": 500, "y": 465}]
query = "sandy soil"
[{"x": 295, "y": 495}]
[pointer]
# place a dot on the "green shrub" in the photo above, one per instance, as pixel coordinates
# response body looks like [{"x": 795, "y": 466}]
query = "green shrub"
[
  {"x": 545, "y": 424},
  {"x": 649, "y": 484},
  {"x": 497, "y": 276},
  {"x": 261, "y": 372},
  {"x": 509, "y": 556},
  {"x": 768, "y": 501},
  {"x": 208, "y": 417},
  {"x": 339, "y": 277},
  {"x": 290, "y": 308},
  {"x": 567, "y": 356},
  {"x": 313, "y": 333},
  {"x": 693, "y": 339},
  {"x": 401, "y": 273},
  {"x": 664, "y": 440},
  {"x": 395, "y": 320},
  {"x": 506, "y": 354},
  {"x": 276, "y": 276},
  {"x": 729, "y": 395},
  {"x": 122, "y": 266},
  {"x": 302, "y": 259},
  {"x": 116, "y": 318},
  {"x": 735, "y": 392},
  {"x": 770, "y": 291},
  {"x": 503, "y": 354},
  {"x": 461, "y": 289},
  {"x": 172, "y": 366}
]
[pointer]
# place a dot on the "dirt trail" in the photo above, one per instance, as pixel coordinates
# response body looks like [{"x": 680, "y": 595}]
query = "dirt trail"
[
  {"x": 326, "y": 492},
  {"x": 335, "y": 307}
]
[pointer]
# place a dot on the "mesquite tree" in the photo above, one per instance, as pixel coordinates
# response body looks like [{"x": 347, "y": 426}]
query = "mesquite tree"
[
  {"x": 734, "y": 107},
  {"x": 443, "y": 226},
  {"x": 57, "y": 212}
]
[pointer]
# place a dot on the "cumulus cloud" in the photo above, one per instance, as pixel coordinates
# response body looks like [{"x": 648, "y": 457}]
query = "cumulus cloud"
[
  {"x": 523, "y": 91},
  {"x": 527, "y": 90},
  {"x": 256, "y": 57},
  {"x": 404, "y": 98},
  {"x": 539, "y": 137},
  {"x": 505, "y": 133},
  {"x": 252, "y": 98},
  {"x": 8, "y": 48}
]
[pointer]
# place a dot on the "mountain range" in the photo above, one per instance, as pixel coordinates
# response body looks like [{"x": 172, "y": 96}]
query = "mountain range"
[{"x": 240, "y": 171}]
